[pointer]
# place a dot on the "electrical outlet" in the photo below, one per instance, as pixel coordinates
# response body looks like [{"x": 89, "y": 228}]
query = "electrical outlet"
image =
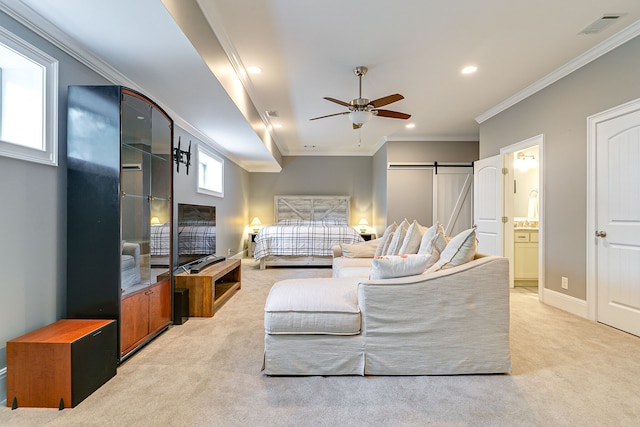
[
  {"x": 565, "y": 283},
  {"x": 229, "y": 251}
]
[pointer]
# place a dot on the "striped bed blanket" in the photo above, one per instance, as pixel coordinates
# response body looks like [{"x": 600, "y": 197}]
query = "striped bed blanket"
[{"x": 303, "y": 238}]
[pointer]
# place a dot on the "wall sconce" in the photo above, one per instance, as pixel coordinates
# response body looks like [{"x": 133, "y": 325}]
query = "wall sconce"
[
  {"x": 363, "y": 225},
  {"x": 524, "y": 162},
  {"x": 180, "y": 156},
  {"x": 155, "y": 220},
  {"x": 255, "y": 223}
]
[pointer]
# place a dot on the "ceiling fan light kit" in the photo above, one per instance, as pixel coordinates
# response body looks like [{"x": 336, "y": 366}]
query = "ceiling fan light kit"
[
  {"x": 362, "y": 109},
  {"x": 360, "y": 117}
]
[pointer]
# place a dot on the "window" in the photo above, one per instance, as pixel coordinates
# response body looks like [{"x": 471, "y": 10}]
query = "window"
[
  {"x": 28, "y": 101},
  {"x": 210, "y": 173}
]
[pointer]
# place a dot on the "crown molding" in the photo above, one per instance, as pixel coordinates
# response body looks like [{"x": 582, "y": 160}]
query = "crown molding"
[
  {"x": 432, "y": 138},
  {"x": 592, "y": 54}
]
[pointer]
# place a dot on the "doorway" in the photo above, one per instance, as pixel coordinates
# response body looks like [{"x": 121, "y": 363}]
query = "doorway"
[{"x": 523, "y": 212}]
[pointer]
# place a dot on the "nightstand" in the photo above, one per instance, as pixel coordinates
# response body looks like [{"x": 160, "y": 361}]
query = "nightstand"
[
  {"x": 368, "y": 236},
  {"x": 251, "y": 244}
]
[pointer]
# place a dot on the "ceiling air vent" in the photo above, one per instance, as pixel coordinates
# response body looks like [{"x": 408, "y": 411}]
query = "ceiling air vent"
[
  {"x": 602, "y": 23},
  {"x": 131, "y": 167},
  {"x": 272, "y": 113}
]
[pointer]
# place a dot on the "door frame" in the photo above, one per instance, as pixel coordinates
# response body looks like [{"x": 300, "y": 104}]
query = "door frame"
[
  {"x": 507, "y": 154},
  {"x": 592, "y": 244}
]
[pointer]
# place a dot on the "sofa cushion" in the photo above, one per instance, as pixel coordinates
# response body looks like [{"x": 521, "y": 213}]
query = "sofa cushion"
[
  {"x": 313, "y": 306},
  {"x": 128, "y": 262},
  {"x": 359, "y": 250},
  {"x": 460, "y": 250},
  {"x": 388, "y": 267},
  {"x": 351, "y": 267},
  {"x": 433, "y": 242},
  {"x": 397, "y": 238},
  {"x": 384, "y": 240},
  {"x": 412, "y": 239}
]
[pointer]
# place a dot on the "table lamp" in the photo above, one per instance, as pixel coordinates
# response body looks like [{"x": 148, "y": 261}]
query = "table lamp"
[
  {"x": 255, "y": 223},
  {"x": 363, "y": 225}
]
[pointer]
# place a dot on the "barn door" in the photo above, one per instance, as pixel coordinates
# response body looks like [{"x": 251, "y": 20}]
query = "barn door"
[{"x": 453, "y": 198}]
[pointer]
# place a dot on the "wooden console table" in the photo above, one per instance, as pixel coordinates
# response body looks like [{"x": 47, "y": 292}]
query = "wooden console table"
[{"x": 211, "y": 287}]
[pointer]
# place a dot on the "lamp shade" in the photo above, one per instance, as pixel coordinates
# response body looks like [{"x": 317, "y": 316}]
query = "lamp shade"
[
  {"x": 360, "y": 117},
  {"x": 255, "y": 223},
  {"x": 155, "y": 220}
]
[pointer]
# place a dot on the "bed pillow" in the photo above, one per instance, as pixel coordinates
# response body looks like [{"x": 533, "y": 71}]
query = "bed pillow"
[
  {"x": 412, "y": 239},
  {"x": 397, "y": 239},
  {"x": 359, "y": 250},
  {"x": 388, "y": 267},
  {"x": 460, "y": 249},
  {"x": 384, "y": 240}
]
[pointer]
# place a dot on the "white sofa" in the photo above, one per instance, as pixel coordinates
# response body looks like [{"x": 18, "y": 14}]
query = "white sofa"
[
  {"x": 452, "y": 321},
  {"x": 130, "y": 264}
]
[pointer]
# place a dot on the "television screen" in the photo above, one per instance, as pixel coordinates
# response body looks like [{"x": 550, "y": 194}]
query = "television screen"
[
  {"x": 194, "y": 236},
  {"x": 196, "y": 232}
]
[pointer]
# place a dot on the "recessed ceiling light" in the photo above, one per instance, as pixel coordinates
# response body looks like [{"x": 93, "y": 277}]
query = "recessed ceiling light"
[
  {"x": 254, "y": 70},
  {"x": 410, "y": 125},
  {"x": 470, "y": 69}
]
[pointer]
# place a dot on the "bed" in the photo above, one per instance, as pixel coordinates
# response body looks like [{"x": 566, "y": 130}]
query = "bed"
[
  {"x": 196, "y": 233},
  {"x": 305, "y": 229},
  {"x": 194, "y": 238}
]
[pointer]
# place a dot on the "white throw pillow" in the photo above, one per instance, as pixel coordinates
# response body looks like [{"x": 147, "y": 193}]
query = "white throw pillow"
[
  {"x": 384, "y": 240},
  {"x": 388, "y": 267},
  {"x": 385, "y": 247},
  {"x": 460, "y": 249},
  {"x": 411, "y": 242},
  {"x": 397, "y": 239},
  {"x": 433, "y": 240},
  {"x": 359, "y": 250}
]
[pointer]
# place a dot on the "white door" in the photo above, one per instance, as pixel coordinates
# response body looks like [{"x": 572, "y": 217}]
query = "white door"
[
  {"x": 453, "y": 199},
  {"x": 618, "y": 222},
  {"x": 487, "y": 212}
]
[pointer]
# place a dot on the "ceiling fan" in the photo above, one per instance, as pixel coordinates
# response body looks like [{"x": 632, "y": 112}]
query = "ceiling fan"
[{"x": 362, "y": 109}]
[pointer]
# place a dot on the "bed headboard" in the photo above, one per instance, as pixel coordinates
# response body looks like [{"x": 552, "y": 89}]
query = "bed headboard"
[{"x": 312, "y": 208}]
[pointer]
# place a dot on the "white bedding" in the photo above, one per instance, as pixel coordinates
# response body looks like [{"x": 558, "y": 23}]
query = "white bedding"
[
  {"x": 195, "y": 238},
  {"x": 303, "y": 238}
]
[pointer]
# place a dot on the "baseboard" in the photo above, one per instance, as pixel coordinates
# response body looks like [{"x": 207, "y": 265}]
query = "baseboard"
[
  {"x": 3, "y": 386},
  {"x": 564, "y": 302}
]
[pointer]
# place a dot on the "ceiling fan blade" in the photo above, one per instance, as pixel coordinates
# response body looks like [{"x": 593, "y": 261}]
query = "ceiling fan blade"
[
  {"x": 392, "y": 114},
  {"x": 331, "y": 115},
  {"x": 380, "y": 102},
  {"x": 337, "y": 101}
]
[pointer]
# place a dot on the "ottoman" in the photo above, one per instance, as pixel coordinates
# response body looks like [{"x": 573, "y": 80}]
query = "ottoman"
[{"x": 311, "y": 326}]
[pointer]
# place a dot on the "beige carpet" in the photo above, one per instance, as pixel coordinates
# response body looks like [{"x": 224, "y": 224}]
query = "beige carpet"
[{"x": 567, "y": 371}]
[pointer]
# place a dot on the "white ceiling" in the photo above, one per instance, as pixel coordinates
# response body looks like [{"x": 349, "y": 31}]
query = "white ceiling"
[{"x": 308, "y": 49}]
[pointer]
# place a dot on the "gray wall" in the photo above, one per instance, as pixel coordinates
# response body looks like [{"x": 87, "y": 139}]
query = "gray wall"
[
  {"x": 314, "y": 175},
  {"x": 33, "y": 220},
  {"x": 560, "y": 112},
  {"x": 379, "y": 191},
  {"x": 231, "y": 210}
]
